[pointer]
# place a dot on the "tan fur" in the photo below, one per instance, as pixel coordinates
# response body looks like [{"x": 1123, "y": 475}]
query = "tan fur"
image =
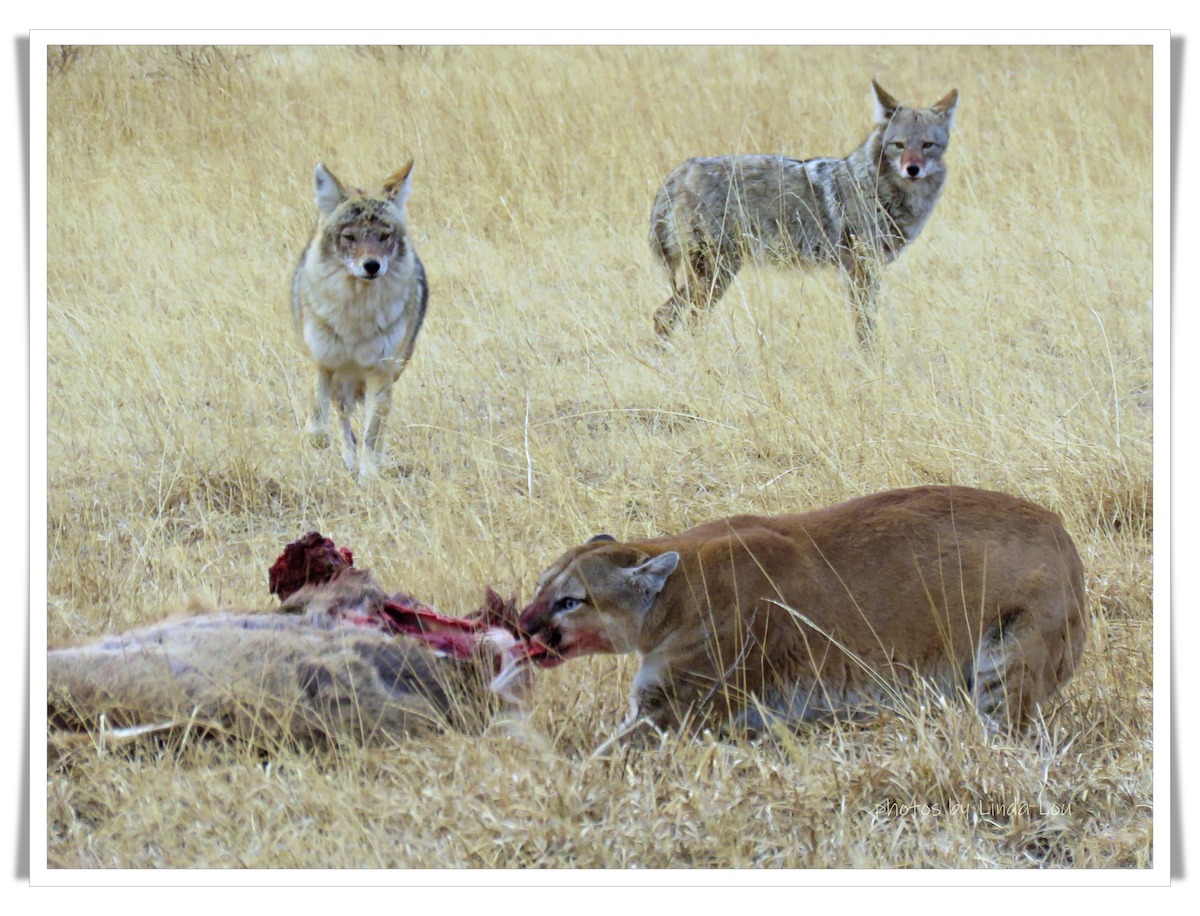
[
  {"x": 298, "y": 675},
  {"x": 859, "y": 212},
  {"x": 834, "y": 612},
  {"x": 359, "y": 297}
]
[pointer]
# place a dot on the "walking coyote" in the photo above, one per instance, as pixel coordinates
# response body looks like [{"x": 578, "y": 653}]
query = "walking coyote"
[
  {"x": 358, "y": 299},
  {"x": 830, "y": 613},
  {"x": 859, "y": 212}
]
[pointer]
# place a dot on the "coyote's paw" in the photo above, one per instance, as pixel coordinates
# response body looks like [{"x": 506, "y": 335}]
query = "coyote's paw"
[{"x": 368, "y": 471}]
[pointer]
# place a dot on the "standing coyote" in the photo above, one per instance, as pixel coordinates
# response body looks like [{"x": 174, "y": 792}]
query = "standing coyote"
[
  {"x": 858, "y": 212},
  {"x": 836, "y": 612},
  {"x": 358, "y": 298}
]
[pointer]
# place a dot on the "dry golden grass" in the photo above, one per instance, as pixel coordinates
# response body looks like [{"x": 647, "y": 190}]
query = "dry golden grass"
[{"x": 1015, "y": 354}]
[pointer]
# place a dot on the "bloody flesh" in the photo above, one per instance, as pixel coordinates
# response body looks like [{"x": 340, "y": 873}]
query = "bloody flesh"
[
  {"x": 315, "y": 560},
  {"x": 311, "y": 560}
]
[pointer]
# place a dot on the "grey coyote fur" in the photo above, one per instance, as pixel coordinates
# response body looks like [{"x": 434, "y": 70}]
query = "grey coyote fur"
[
  {"x": 358, "y": 299},
  {"x": 858, "y": 212}
]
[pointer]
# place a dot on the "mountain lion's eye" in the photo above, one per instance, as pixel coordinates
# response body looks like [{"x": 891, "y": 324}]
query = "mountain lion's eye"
[{"x": 567, "y": 603}]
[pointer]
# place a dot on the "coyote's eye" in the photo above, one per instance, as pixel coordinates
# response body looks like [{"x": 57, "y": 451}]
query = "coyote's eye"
[
  {"x": 566, "y": 603},
  {"x": 898, "y": 144},
  {"x": 385, "y": 236},
  {"x": 927, "y": 145},
  {"x": 349, "y": 238}
]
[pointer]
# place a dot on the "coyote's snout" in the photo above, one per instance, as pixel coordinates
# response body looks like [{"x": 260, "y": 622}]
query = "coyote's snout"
[
  {"x": 358, "y": 299},
  {"x": 859, "y": 212},
  {"x": 836, "y": 612}
]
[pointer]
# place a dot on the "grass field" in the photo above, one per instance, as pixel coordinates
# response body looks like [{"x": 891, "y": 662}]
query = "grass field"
[{"x": 1015, "y": 354}]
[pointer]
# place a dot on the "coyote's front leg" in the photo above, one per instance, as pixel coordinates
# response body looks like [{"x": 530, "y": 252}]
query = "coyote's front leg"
[
  {"x": 318, "y": 422},
  {"x": 860, "y": 266},
  {"x": 377, "y": 405}
]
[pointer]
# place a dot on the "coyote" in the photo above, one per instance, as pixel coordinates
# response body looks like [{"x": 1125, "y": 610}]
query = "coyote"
[
  {"x": 358, "y": 299},
  {"x": 859, "y": 212},
  {"x": 832, "y": 613}
]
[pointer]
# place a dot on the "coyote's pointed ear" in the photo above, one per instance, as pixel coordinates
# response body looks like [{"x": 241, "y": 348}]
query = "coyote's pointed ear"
[
  {"x": 885, "y": 105},
  {"x": 651, "y": 576},
  {"x": 399, "y": 185},
  {"x": 946, "y": 107},
  {"x": 329, "y": 191}
]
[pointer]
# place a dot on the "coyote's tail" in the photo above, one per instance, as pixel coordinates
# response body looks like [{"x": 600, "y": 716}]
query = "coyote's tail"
[{"x": 664, "y": 233}]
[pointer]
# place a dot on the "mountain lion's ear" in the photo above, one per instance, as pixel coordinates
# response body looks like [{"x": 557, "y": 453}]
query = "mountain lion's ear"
[{"x": 652, "y": 575}]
